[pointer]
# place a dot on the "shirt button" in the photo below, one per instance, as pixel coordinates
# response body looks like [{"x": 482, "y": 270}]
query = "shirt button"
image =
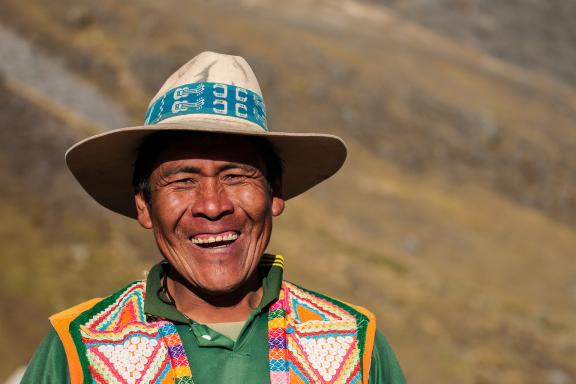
[{"x": 207, "y": 337}]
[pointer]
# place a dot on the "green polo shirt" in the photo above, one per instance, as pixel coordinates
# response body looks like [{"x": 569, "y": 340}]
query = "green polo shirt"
[{"x": 213, "y": 357}]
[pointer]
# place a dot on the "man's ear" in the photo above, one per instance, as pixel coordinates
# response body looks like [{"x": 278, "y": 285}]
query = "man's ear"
[
  {"x": 277, "y": 199},
  {"x": 143, "y": 210},
  {"x": 277, "y": 205}
]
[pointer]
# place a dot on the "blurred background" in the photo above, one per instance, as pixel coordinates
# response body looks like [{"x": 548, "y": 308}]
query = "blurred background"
[{"x": 454, "y": 218}]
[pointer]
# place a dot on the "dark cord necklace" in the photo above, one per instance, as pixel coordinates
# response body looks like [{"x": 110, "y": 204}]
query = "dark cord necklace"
[{"x": 163, "y": 293}]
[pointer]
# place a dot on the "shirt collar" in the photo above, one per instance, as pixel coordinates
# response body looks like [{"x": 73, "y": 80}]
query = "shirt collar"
[{"x": 156, "y": 304}]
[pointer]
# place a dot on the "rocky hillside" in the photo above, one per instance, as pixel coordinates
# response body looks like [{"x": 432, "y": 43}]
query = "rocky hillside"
[
  {"x": 454, "y": 219},
  {"x": 539, "y": 35},
  {"x": 52, "y": 236}
]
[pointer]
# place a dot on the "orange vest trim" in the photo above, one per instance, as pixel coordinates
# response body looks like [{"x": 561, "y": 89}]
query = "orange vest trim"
[
  {"x": 61, "y": 323},
  {"x": 368, "y": 343}
]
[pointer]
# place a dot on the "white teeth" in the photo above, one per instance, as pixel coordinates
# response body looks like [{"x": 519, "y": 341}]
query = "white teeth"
[{"x": 214, "y": 239}]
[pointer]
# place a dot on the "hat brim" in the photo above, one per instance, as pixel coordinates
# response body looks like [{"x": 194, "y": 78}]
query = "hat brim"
[{"x": 103, "y": 164}]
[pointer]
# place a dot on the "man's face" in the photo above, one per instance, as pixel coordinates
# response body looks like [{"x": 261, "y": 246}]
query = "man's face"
[{"x": 211, "y": 210}]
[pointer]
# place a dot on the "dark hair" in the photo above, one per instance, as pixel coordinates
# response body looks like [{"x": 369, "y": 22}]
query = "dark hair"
[{"x": 152, "y": 144}]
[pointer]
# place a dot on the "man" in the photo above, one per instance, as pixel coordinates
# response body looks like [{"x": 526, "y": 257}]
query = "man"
[{"x": 207, "y": 177}]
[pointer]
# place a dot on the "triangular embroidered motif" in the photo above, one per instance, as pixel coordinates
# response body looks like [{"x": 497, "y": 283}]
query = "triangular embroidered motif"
[
  {"x": 303, "y": 302},
  {"x": 305, "y": 312},
  {"x": 125, "y": 310},
  {"x": 130, "y": 362},
  {"x": 317, "y": 341},
  {"x": 127, "y": 316},
  {"x": 122, "y": 347},
  {"x": 297, "y": 377},
  {"x": 327, "y": 353}
]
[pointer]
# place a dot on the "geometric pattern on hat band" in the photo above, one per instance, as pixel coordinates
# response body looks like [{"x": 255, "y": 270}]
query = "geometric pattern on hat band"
[{"x": 209, "y": 98}]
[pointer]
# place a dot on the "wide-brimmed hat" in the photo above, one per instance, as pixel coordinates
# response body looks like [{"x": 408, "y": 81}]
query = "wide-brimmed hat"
[{"x": 211, "y": 93}]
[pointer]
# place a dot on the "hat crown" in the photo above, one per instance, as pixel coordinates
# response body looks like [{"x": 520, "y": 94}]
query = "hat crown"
[
  {"x": 211, "y": 86},
  {"x": 212, "y": 67}
]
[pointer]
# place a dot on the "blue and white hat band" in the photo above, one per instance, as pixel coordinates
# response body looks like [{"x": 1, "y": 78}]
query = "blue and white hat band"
[{"x": 209, "y": 98}]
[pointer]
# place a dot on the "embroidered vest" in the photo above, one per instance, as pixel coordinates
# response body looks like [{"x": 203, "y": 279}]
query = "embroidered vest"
[{"x": 311, "y": 339}]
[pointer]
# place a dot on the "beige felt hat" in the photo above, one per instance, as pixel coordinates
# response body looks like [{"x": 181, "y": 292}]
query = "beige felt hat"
[{"x": 211, "y": 93}]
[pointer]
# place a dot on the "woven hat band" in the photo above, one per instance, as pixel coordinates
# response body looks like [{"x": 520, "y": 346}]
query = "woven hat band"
[{"x": 208, "y": 98}]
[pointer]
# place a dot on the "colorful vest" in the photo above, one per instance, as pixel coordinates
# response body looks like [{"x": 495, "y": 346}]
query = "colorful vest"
[{"x": 311, "y": 338}]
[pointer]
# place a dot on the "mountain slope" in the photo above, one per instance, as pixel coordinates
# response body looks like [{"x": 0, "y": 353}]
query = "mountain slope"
[
  {"x": 453, "y": 219},
  {"x": 539, "y": 35},
  {"x": 56, "y": 244}
]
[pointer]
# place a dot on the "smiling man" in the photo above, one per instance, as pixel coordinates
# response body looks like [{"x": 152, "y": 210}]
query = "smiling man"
[
  {"x": 210, "y": 199},
  {"x": 207, "y": 177}
]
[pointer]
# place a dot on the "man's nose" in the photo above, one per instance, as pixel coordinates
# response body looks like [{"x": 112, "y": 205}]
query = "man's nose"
[{"x": 211, "y": 201}]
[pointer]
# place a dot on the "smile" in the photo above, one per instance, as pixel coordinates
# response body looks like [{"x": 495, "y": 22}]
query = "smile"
[{"x": 213, "y": 240}]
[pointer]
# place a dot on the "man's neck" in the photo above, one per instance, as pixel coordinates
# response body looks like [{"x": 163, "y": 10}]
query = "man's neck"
[{"x": 203, "y": 307}]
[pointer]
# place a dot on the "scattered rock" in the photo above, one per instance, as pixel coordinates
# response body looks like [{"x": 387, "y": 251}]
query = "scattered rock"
[
  {"x": 78, "y": 17},
  {"x": 559, "y": 376}
]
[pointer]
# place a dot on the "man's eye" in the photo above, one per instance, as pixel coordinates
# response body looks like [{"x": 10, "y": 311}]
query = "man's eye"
[
  {"x": 234, "y": 177},
  {"x": 186, "y": 180}
]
